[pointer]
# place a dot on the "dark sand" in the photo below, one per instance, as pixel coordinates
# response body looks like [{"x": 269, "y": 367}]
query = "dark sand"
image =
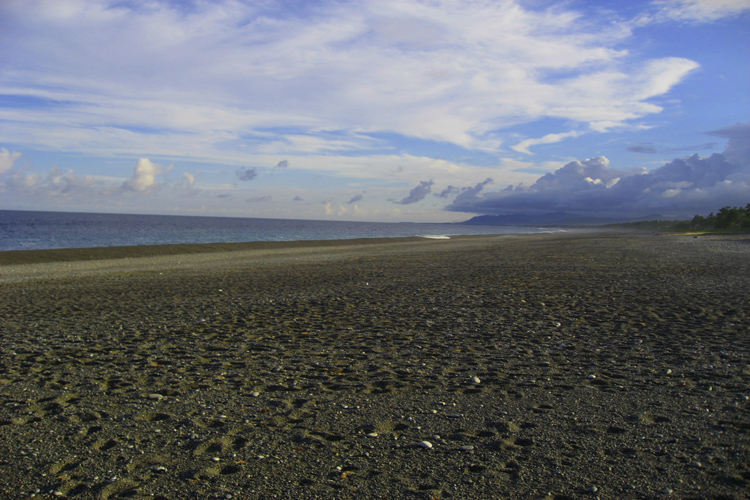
[{"x": 610, "y": 366}]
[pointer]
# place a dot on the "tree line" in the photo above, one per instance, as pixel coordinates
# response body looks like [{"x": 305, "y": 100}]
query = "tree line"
[{"x": 726, "y": 218}]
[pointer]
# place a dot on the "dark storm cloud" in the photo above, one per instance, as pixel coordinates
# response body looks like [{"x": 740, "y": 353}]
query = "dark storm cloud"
[
  {"x": 643, "y": 147},
  {"x": 650, "y": 148},
  {"x": 418, "y": 193},
  {"x": 471, "y": 193},
  {"x": 258, "y": 199},
  {"x": 247, "y": 173},
  {"x": 682, "y": 187},
  {"x": 449, "y": 191},
  {"x": 355, "y": 199},
  {"x": 698, "y": 147}
]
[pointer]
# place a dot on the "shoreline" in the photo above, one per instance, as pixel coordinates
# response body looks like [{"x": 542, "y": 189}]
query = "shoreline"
[
  {"x": 549, "y": 366},
  {"x": 23, "y": 265},
  {"x": 15, "y": 257}
]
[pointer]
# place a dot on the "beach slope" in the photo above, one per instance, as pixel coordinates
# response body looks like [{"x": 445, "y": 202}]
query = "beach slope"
[{"x": 544, "y": 366}]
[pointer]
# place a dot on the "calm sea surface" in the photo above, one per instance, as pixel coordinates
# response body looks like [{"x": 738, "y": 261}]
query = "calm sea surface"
[{"x": 23, "y": 230}]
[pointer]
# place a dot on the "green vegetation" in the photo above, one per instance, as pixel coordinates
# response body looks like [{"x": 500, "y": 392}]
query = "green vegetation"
[{"x": 726, "y": 220}]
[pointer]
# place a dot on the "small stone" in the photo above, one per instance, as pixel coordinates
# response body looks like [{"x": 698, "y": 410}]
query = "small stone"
[
  {"x": 255, "y": 394},
  {"x": 593, "y": 488},
  {"x": 591, "y": 377},
  {"x": 159, "y": 469},
  {"x": 669, "y": 371},
  {"x": 426, "y": 445},
  {"x": 667, "y": 491},
  {"x": 155, "y": 396},
  {"x": 372, "y": 434},
  {"x": 468, "y": 447},
  {"x": 475, "y": 380},
  {"x": 216, "y": 459},
  {"x": 455, "y": 415}
]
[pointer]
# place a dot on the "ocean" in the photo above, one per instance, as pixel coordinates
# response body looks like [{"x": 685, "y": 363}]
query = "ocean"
[{"x": 29, "y": 230}]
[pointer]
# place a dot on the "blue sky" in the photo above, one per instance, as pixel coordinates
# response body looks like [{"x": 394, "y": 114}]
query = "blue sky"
[{"x": 403, "y": 110}]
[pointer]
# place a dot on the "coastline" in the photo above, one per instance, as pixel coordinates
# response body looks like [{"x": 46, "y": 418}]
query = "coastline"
[
  {"x": 65, "y": 263},
  {"x": 13, "y": 257},
  {"x": 536, "y": 366}
]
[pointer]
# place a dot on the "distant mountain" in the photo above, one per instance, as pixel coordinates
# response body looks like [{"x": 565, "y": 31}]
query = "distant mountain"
[{"x": 550, "y": 219}]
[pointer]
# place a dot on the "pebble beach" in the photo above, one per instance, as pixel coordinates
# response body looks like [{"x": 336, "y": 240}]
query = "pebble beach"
[{"x": 549, "y": 366}]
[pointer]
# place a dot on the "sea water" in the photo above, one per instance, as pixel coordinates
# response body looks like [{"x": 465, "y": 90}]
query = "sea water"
[{"x": 29, "y": 230}]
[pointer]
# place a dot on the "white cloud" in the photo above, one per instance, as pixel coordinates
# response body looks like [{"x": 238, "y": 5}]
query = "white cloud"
[
  {"x": 69, "y": 182},
  {"x": 523, "y": 146},
  {"x": 220, "y": 79},
  {"x": 19, "y": 181},
  {"x": 333, "y": 209},
  {"x": 144, "y": 177},
  {"x": 7, "y": 160},
  {"x": 700, "y": 10}
]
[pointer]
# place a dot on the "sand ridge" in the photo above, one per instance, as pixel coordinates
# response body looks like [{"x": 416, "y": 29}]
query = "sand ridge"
[{"x": 547, "y": 366}]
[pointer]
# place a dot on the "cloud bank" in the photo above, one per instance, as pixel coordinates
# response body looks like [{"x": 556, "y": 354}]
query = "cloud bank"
[
  {"x": 683, "y": 187},
  {"x": 61, "y": 184}
]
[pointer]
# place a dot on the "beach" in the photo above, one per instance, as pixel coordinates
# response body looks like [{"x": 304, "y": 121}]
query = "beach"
[{"x": 548, "y": 366}]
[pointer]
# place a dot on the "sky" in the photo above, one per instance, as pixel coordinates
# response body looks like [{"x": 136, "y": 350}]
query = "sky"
[{"x": 375, "y": 110}]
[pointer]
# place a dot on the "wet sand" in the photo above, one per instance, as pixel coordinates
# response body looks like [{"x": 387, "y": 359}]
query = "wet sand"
[{"x": 544, "y": 366}]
